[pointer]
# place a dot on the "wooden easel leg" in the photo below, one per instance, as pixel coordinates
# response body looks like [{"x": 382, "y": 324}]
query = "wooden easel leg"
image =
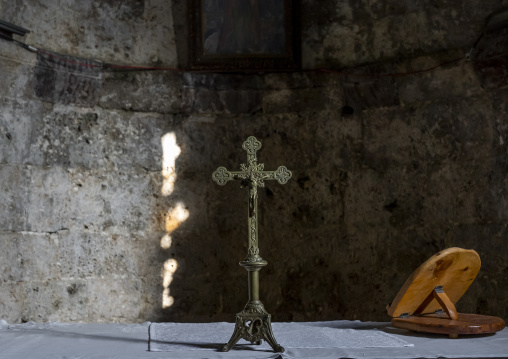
[
  {"x": 445, "y": 303},
  {"x": 440, "y": 296}
]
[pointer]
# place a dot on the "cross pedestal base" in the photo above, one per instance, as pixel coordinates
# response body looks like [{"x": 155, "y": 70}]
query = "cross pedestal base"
[{"x": 253, "y": 324}]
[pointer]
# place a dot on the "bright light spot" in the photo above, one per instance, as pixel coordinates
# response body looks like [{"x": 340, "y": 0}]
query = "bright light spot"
[
  {"x": 172, "y": 221},
  {"x": 169, "y": 269},
  {"x": 166, "y": 241},
  {"x": 174, "y": 218},
  {"x": 170, "y": 151},
  {"x": 167, "y": 300}
]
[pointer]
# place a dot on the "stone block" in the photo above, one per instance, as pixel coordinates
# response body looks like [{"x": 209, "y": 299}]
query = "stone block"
[
  {"x": 122, "y": 207},
  {"x": 12, "y": 198},
  {"x": 47, "y": 204},
  {"x": 464, "y": 194},
  {"x": 299, "y": 100},
  {"x": 154, "y": 91},
  {"x": 222, "y": 82},
  {"x": 39, "y": 297},
  {"x": 56, "y": 199},
  {"x": 114, "y": 298},
  {"x": 241, "y": 102},
  {"x": 368, "y": 86},
  {"x": 55, "y": 300},
  {"x": 500, "y": 104},
  {"x": 292, "y": 80},
  {"x": 12, "y": 298},
  {"x": 29, "y": 256},
  {"x": 449, "y": 128},
  {"x": 17, "y": 66},
  {"x": 85, "y": 254},
  {"x": 66, "y": 79},
  {"x": 18, "y": 118},
  {"x": 365, "y": 199},
  {"x": 388, "y": 138},
  {"x": 203, "y": 100},
  {"x": 489, "y": 58},
  {"x": 98, "y": 138},
  {"x": 455, "y": 79},
  {"x": 69, "y": 299},
  {"x": 86, "y": 30},
  {"x": 334, "y": 38},
  {"x": 211, "y": 101}
]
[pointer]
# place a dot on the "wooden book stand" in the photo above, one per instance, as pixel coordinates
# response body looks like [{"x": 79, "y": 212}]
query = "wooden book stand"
[{"x": 426, "y": 301}]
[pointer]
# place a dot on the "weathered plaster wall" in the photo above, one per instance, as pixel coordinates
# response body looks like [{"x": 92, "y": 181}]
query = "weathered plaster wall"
[
  {"x": 349, "y": 32},
  {"x": 108, "y": 211}
]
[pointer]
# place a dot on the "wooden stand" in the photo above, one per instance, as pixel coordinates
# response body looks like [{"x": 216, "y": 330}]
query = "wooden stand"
[{"x": 426, "y": 301}]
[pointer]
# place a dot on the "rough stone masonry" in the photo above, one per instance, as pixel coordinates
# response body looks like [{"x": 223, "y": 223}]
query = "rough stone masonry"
[{"x": 107, "y": 209}]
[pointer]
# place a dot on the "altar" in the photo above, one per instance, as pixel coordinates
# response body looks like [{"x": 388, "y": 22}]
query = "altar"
[{"x": 134, "y": 341}]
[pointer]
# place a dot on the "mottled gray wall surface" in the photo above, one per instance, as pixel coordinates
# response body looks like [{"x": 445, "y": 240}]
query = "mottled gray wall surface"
[{"x": 107, "y": 207}]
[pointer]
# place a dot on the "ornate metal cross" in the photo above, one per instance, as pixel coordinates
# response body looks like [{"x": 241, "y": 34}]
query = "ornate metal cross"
[{"x": 253, "y": 323}]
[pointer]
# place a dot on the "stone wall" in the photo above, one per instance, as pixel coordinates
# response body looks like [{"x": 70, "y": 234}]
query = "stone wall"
[{"x": 108, "y": 211}]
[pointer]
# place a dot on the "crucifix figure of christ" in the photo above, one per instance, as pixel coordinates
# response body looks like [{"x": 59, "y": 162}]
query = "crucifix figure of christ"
[{"x": 253, "y": 323}]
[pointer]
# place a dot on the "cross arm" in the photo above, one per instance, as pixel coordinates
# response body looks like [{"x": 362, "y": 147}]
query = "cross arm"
[
  {"x": 281, "y": 174},
  {"x": 222, "y": 175}
]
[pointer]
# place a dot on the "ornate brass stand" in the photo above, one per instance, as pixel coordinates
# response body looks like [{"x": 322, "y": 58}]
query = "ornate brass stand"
[{"x": 253, "y": 323}]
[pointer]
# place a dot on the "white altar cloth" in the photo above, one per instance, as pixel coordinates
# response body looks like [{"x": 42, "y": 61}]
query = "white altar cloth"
[
  {"x": 314, "y": 335},
  {"x": 130, "y": 341}
]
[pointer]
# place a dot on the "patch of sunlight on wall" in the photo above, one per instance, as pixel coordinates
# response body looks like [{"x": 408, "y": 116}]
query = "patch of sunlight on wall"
[
  {"x": 172, "y": 221},
  {"x": 169, "y": 269},
  {"x": 170, "y": 151},
  {"x": 173, "y": 217}
]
